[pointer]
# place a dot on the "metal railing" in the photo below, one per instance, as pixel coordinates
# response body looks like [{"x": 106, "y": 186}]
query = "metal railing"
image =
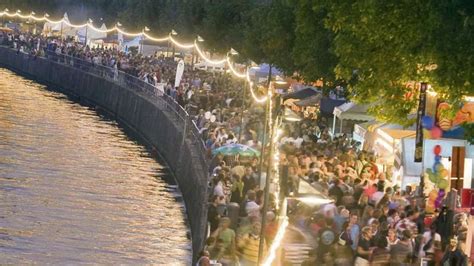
[{"x": 146, "y": 89}]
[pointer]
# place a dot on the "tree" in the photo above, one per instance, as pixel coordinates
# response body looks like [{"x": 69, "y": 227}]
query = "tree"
[
  {"x": 384, "y": 45},
  {"x": 312, "y": 52}
]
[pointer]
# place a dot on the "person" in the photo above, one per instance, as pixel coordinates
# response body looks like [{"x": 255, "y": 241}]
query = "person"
[
  {"x": 336, "y": 192},
  {"x": 430, "y": 241},
  {"x": 251, "y": 207},
  {"x": 392, "y": 238},
  {"x": 227, "y": 236},
  {"x": 212, "y": 213},
  {"x": 363, "y": 248},
  {"x": 271, "y": 227},
  {"x": 380, "y": 255},
  {"x": 354, "y": 230},
  {"x": 401, "y": 253},
  {"x": 408, "y": 222},
  {"x": 453, "y": 255},
  {"x": 237, "y": 195},
  {"x": 323, "y": 246},
  {"x": 249, "y": 180},
  {"x": 343, "y": 248},
  {"x": 249, "y": 245},
  {"x": 203, "y": 259}
]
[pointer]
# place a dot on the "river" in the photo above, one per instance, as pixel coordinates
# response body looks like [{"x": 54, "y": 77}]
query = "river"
[{"x": 75, "y": 189}]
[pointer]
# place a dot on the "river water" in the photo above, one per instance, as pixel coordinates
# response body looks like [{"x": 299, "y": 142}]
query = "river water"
[{"x": 75, "y": 189}]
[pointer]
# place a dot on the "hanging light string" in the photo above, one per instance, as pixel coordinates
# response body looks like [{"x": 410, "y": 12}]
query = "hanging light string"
[{"x": 226, "y": 60}]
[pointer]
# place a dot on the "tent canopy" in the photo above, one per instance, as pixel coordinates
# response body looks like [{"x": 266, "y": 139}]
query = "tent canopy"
[
  {"x": 352, "y": 111},
  {"x": 92, "y": 34},
  {"x": 310, "y": 101},
  {"x": 263, "y": 70},
  {"x": 302, "y": 94}
]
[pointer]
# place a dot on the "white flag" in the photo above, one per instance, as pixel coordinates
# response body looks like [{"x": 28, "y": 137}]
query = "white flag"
[{"x": 179, "y": 73}]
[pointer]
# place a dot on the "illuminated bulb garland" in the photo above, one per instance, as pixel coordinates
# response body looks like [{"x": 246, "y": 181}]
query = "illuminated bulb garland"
[{"x": 194, "y": 45}]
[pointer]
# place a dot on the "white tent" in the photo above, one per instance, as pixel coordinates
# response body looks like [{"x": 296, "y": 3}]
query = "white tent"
[
  {"x": 91, "y": 33},
  {"x": 58, "y": 27},
  {"x": 133, "y": 43},
  {"x": 350, "y": 111}
]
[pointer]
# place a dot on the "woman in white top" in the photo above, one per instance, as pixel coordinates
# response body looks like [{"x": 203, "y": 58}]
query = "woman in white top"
[{"x": 430, "y": 240}]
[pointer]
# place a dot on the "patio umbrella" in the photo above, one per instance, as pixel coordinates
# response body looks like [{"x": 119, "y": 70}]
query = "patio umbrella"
[{"x": 236, "y": 149}]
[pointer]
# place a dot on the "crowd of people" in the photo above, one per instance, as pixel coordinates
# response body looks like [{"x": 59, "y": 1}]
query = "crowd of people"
[{"x": 372, "y": 222}]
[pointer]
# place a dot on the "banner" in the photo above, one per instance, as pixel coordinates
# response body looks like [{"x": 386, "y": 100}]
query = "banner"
[
  {"x": 179, "y": 73},
  {"x": 419, "y": 124}
]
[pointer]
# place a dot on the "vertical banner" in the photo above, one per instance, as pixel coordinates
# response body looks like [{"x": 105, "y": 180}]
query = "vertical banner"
[
  {"x": 179, "y": 73},
  {"x": 419, "y": 127}
]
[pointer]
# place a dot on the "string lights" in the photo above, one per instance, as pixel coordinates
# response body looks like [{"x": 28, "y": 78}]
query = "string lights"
[{"x": 226, "y": 60}]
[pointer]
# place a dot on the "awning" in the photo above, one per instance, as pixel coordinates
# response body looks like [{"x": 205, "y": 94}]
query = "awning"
[
  {"x": 327, "y": 105},
  {"x": 310, "y": 101},
  {"x": 302, "y": 94},
  {"x": 352, "y": 111}
]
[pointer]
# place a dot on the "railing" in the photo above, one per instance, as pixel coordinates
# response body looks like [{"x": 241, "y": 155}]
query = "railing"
[{"x": 191, "y": 131}]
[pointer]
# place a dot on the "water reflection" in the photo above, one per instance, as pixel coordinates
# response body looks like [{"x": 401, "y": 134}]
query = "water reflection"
[{"x": 74, "y": 189}]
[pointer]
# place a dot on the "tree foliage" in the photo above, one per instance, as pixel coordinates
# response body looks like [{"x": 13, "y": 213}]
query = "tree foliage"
[{"x": 378, "y": 47}]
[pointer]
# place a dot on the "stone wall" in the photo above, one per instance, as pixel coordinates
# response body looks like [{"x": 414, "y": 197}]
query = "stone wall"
[{"x": 151, "y": 119}]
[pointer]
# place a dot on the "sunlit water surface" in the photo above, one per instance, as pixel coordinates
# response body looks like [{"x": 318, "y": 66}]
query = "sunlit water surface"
[{"x": 74, "y": 189}]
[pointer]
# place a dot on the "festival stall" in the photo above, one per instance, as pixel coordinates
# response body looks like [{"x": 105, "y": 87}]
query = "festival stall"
[
  {"x": 447, "y": 157},
  {"x": 352, "y": 112},
  {"x": 94, "y": 38},
  {"x": 55, "y": 29}
]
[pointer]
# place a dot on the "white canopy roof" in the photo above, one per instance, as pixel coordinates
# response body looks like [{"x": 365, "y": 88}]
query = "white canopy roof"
[
  {"x": 67, "y": 30},
  {"x": 92, "y": 34},
  {"x": 352, "y": 111}
]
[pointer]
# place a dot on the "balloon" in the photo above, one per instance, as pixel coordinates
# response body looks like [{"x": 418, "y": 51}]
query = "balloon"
[
  {"x": 427, "y": 122},
  {"x": 433, "y": 178},
  {"x": 444, "y": 173},
  {"x": 436, "y": 132},
  {"x": 426, "y": 134},
  {"x": 441, "y": 193},
  {"x": 443, "y": 184},
  {"x": 437, "y": 159},
  {"x": 437, "y": 150},
  {"x": 438, "y": 167},
  {"x": 430, "y": 207},
  {"x": 433, "y": 195}
]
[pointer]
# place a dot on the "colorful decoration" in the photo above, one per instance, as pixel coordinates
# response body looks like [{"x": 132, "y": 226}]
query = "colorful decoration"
[
  {"x": 427, "y": 122},
  {"x": 438, "y": 176}
]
